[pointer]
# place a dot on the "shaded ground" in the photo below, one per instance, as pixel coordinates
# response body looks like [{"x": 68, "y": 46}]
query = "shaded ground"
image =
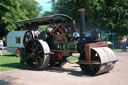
[{"x": 70, "y": 74}]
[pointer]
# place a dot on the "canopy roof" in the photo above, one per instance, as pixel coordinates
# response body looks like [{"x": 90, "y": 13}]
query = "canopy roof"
[{"x": 56, "y": 18}]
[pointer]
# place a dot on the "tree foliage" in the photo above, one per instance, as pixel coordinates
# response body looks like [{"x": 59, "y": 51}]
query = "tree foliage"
[
  {"x": 105, "y": 14},
  {"x": 13, "y": 10},
  {"x": 30, "y": 7}
]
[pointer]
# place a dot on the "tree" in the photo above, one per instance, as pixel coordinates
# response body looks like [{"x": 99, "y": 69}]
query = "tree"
[
  {"x": 30, "y": 7},
  {"x": 13, "y": 10},
  {"x": 105, "y": 14},
  {"x": 9, "y": 13}
]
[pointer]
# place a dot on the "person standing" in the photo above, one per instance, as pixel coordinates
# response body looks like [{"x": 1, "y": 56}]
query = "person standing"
[
  {"x": 123, "y": 43},
  {"x": 1, "y": 47}
]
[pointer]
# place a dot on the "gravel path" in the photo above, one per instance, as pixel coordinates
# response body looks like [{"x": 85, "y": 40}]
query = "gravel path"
[{"x": 70, "y": 74}]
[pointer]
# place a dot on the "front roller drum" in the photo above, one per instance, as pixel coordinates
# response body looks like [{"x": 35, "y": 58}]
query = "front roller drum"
[
  {"x": 36, "y": 54},
  {"x": 102, "y": 60}
]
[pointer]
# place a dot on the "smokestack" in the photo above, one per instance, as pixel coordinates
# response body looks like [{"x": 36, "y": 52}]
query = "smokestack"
[{"x": 82, "y": 18}]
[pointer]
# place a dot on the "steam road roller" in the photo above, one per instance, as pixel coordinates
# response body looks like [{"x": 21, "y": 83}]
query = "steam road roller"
[{"x": 59, "y": 39}]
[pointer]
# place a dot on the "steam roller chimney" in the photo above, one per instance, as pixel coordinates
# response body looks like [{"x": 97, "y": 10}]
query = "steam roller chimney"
[{"x": 82, "y": 18}]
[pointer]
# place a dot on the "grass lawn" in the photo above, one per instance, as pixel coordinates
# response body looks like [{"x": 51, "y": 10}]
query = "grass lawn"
[
  {"x": 119, "y": 50},
  {"x": 73, "y": 59},
  {"x": 10, "y": 62}
]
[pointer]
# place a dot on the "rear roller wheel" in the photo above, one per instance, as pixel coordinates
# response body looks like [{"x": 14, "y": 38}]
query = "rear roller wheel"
[
  {"x": 35, "y": 51},
  {"x": 104, "y": 56}
]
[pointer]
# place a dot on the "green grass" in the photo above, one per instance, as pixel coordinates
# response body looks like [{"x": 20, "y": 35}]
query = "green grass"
[
  {"x": 10, "y": 62},
  {"x": 119, "y": 50},
  {"x": 73, "y": 59}
]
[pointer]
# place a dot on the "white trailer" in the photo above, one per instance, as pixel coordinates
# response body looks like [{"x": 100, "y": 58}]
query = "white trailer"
[{"x": 15, "y": 40}]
